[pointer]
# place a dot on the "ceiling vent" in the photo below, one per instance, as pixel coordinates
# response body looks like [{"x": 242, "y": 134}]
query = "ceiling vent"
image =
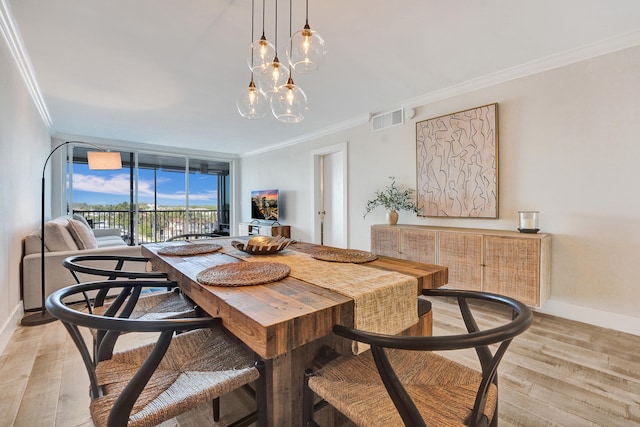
[{"x": 386, "y": 120}]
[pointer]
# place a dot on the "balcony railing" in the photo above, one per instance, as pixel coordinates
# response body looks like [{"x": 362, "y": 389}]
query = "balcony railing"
[{"x": 156, "y": 226}]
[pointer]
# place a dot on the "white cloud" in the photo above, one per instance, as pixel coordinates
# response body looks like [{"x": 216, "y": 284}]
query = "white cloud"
[{"x": 118, "y": 184}]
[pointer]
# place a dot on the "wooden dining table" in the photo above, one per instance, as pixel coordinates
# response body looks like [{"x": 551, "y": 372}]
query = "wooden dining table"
[{"x": 287, "y": 323}]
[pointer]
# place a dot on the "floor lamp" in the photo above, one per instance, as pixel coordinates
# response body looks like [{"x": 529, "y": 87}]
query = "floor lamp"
[{"x": 98, "y": 160}]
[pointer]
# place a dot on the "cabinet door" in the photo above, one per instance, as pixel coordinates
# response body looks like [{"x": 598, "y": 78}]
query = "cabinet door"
[
  {"x": 418, "y": 245},
  {"x": 281, "y": 230},
  {"x": 512, "y": 267},
  {"x": 462, "y": 254},
  {"x": 385, "y": 241}
]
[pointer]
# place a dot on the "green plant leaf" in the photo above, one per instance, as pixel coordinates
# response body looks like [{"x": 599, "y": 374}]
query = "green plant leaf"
[{"x": 394, "y": 198}]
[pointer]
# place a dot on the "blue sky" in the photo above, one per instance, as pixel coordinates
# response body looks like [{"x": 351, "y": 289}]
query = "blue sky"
[{"x": 112, "y": 187}]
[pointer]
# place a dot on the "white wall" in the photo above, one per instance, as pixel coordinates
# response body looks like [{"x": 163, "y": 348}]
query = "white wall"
[
  {"x": 23, "y": 140},
  {"x": 568, "y": 141}
]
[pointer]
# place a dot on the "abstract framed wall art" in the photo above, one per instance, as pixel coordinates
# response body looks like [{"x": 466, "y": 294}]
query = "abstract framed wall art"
[{"x": 457, "y": 164}]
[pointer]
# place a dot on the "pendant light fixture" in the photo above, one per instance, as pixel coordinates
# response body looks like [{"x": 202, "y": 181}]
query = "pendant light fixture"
[
  {"x": 275, "y": 74},
  {"x": 307, "y": 50},
  {"x": 289, "y": 102},
  {"x": 252, "y": 104},
  {"x": 262, "y": 51}
]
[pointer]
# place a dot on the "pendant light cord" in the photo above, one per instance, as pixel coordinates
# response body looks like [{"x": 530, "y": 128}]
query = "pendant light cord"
[
  {"x": 263, "y": 19},
  {"x": 253, "y": 9},
  {"x": 290, "y": 39},
  {"x": 276, "y": 36},
  {"x": 290, "y": 42}
]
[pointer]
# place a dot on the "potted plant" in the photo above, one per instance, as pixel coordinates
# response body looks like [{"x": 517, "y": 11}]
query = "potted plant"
[{"x": 393, "y": 198}]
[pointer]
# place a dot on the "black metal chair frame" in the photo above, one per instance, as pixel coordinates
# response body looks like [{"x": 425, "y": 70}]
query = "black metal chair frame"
[
  {"x": 75, "y": 266},
  {"x": 111, "y": 327},
  {"x": 117, "y": 272},
  {"x": 475, "y": 338}
]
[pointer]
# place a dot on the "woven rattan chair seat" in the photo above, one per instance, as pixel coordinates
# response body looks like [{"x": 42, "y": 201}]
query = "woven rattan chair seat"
[
  {"x": 155, "y": 306},
  {"x": 444, "y": 391},
  {"x": 198, "y": 367}
]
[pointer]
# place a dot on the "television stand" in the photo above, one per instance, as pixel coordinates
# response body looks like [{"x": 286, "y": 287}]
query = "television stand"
[{"x": 264, "y": 229}]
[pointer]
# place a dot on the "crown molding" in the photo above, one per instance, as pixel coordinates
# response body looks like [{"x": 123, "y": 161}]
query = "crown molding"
[
  {"x": 551, "y": 62},
  {"x": 12, "y": 37}
]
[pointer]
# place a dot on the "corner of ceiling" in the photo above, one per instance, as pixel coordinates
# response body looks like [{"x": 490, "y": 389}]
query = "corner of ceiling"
[{"x": 11, "y": 35}]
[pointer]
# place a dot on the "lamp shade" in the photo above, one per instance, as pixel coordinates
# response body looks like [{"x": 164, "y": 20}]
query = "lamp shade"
[
  {"x": 306, "y": 51},
  {"x": 104, "y": 160},
  {"x": 268, "y": 80},
  {"x": 252, "y": 104},
  {"x": 289, "y": 103},
  {"x": 260, "y": 55}
]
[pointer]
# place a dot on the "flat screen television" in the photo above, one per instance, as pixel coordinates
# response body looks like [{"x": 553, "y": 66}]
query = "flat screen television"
[{"x": 264, "y": 205}]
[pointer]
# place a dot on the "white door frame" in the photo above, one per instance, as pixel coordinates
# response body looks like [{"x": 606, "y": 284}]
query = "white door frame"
[{"x": 315, "y": 162}]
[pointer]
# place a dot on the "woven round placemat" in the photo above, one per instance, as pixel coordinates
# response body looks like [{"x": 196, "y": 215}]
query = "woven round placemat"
[
  {"x": 344, "y": 255},
  {"x": 243, "y": 274},
  {"x": 190, "y": 249}
]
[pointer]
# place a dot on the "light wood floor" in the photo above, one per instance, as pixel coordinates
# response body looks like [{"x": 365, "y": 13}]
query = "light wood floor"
[{"x": 558, "y": 373}]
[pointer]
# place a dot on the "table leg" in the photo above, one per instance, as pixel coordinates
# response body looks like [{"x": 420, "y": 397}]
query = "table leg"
[
  {"x": 285, "y": 379},
  {"x": 279, "y": 387}
]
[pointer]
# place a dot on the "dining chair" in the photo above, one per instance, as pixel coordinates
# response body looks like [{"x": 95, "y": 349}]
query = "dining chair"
[
  {"x": 155, "y": 305},
  {"x": 193, "y": 360},
  {"x": 402, "y": 381},
  {"x": 165, "y": 301}
]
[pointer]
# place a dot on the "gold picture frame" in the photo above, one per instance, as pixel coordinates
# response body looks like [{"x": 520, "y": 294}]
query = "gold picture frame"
[{"x": 457, "y": 164}]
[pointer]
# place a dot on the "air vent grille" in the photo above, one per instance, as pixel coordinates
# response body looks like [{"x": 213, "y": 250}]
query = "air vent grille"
[{"x": 387, "y": 120}]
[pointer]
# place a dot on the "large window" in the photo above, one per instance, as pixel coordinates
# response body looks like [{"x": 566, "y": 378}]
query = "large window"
[{"x": 153, "y": 197}]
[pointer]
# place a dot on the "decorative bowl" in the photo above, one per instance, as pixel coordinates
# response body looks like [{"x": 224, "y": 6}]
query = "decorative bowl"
[{"x": 262, "y": 245}]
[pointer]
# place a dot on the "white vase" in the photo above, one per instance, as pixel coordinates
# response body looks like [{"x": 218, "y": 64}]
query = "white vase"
[{"x": 392, "y": 217}]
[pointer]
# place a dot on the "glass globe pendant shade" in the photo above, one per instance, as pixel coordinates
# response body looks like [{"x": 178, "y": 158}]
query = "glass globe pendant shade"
[
  {"x": 306, "y": 50},
  {"x": 271, "y": 78},
  {"x": 260, "y": 55},
  {"x": 289, "y": 103},
  {"x": 252, "y": 104}
]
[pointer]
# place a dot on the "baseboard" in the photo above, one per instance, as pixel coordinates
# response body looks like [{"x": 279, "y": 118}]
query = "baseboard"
[
  {"x": 604, "y": 319},
  {"x": 9, "y": 327}
]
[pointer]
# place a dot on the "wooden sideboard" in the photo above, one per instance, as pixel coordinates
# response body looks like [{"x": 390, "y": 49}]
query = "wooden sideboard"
[{"x": 504, "y": 262}]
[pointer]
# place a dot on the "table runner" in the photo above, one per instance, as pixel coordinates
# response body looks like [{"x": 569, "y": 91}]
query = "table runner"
[{"x": 384, "y": 301}]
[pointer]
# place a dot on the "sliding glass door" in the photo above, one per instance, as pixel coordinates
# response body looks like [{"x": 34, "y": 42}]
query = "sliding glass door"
[{"x": 154, "y": 197}]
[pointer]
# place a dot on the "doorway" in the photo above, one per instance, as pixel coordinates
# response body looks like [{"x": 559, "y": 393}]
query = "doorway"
[{"x": 330, "y": 196}]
